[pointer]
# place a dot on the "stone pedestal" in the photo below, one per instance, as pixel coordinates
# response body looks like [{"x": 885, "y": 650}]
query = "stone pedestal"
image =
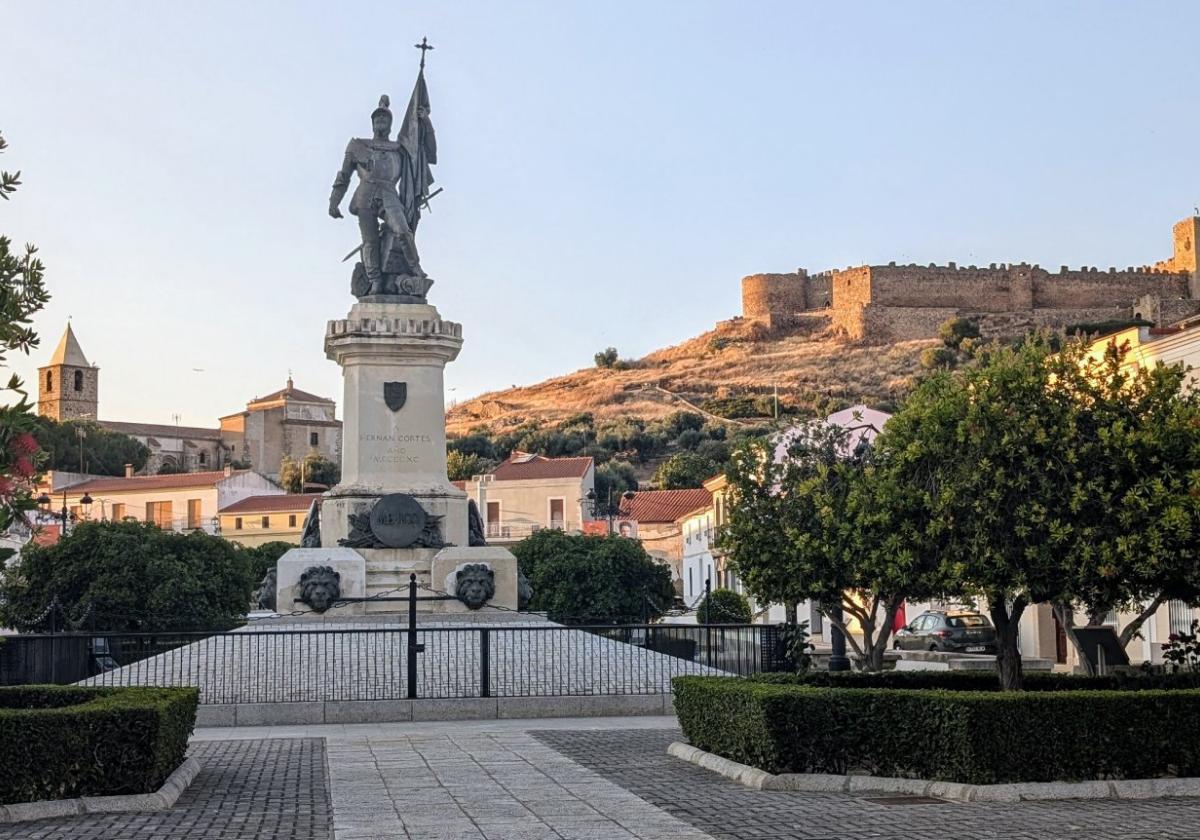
[
  {"x": 348, "y": 563},
  {"x": 392, "y": 357}
]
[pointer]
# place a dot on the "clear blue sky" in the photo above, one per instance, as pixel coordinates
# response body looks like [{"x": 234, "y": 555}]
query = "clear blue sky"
[{"x": 611, "y": 169}]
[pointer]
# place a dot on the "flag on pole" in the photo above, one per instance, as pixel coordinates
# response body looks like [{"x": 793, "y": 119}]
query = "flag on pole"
[{"x": 417, "y": 139}]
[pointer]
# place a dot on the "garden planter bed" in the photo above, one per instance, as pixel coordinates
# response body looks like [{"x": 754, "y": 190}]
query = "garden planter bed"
[
  {"x": 68, "y": 742},
  {"x": 752, "y": 777},
  {"x": 1062, "y": 730}
]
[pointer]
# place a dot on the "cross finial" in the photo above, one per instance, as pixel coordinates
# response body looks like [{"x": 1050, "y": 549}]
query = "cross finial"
[{"x": 424, "y": 47}]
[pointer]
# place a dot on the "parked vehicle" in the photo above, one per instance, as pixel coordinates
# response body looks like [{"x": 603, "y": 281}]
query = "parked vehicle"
[{"x": 952, "y": 631}]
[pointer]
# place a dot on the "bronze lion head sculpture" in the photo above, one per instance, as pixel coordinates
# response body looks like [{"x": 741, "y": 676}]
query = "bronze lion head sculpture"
[
  {"x": 320, "y": 587},
  {"x": 475, "y": 584}
]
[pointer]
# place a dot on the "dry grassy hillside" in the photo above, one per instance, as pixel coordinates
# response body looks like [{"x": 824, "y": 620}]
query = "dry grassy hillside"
[{"x": 806, "y": 363}]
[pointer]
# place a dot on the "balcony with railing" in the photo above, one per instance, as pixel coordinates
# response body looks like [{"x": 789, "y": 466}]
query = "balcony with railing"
[{"x": 514, "y": 531}]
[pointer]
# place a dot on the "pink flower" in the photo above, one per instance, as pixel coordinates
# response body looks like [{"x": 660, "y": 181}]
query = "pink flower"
[
  {"x": 1174, "y": 637},
  {"x": 23, "y": 444},
  {"x": 22, "y": 466}
]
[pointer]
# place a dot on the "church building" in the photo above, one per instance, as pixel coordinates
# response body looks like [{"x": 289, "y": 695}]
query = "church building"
[{"x": 288, "y": 422}]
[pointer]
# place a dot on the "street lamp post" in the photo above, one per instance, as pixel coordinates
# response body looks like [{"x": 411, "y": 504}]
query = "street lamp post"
[
  {"x": 609, "y": 510},
  {"x": 64, "y": 515}
]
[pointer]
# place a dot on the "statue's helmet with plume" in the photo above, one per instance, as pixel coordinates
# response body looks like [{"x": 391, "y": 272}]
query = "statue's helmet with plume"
[{"x": 384, "y": 109}]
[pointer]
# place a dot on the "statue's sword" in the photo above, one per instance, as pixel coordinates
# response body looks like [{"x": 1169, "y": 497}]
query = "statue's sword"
[{"x": 424, "y": 203}]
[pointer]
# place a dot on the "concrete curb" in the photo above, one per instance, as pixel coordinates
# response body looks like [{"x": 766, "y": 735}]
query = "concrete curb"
[
  {"x": 160, "y": 800},
  {"x": 454, "y": 708},
  {"x": 752, "y": 777}
]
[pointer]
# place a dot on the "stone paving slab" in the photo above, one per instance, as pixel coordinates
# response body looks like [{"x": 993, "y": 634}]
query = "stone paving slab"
[
  {"x": 637, "y": 761},
  {"x": 245, "y": 790},
  {"x": 479, "y": 785}
]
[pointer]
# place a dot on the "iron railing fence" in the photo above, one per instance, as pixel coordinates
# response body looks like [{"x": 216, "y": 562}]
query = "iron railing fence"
[{"x": 370, "y": 662}]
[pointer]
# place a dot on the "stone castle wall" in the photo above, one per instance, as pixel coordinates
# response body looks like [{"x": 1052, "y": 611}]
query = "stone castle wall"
[{"x": 904, "y": 302}]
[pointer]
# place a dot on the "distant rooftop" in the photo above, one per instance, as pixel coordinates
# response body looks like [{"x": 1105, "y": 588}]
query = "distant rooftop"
[
  {"x": 280, "y": 502},
  {"x": 153, "y": 482},
  {"x": 665, "y": 505},
  {"x": 289, "y": 392},
  {"x": 160, "y": 430},
  {"x": 523, "y": 465}
]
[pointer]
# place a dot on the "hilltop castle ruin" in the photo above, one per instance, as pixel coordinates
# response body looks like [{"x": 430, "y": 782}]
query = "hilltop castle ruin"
[{"x": 880, "y": 303}]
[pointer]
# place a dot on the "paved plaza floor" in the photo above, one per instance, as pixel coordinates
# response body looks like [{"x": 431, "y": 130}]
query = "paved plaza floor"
[{"x": 566, "y": 779}]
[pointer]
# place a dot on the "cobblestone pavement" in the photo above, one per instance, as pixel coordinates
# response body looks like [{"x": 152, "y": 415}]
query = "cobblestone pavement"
[
  {"x": 272, "y": 663},
  {"x": 637, "y": 761},
  {"x": 482, "y": 786},
  {"x": 247, "y": 790}
]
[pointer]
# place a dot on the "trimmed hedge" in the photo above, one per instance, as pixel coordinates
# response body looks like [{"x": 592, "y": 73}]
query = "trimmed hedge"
[
  {"x": 981, "y": 680},
  {"x": 976, "y": 737},
  {"x": 60, "y": 742}
]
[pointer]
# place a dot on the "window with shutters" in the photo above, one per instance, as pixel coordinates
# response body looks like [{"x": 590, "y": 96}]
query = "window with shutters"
[
  {"x": 193, "y": 520},
  {"x": 159, "y": 513}
]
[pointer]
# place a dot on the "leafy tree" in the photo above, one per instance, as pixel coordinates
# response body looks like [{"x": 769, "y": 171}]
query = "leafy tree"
[
  {"x": 723, "y": 606},
  {"x": 606, "y": 358},
  {"x": 129, "y": 576},
  {"x": 1138, "y": 443},
  {"x": 104, "y": 452},
  {"x": 816, "y": 527},
  {"x": 592, "y": 578},
  {"x": 462, "y": 467},
  {"x": 261, "y": 558},
  {"x": 476, "y": 443},
  {"x": 992, "y": 469},
  {"x": 22, "y": 294},
  {"x": 313, "y": 469},
  {"x": 683, "y": 470},
  {"x": 614, "y": 478}
]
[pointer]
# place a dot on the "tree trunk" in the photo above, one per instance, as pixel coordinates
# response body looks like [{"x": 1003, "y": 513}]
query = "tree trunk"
[
  {"x": 1066, "y": 617},
  {"x": 1130, "y": 630},
  {"x": 1008, "y": 653},
  {"x": 879, "y": 646}
]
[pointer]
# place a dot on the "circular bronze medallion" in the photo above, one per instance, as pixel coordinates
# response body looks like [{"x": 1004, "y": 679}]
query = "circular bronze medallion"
[{"x": 397, "y": 520}]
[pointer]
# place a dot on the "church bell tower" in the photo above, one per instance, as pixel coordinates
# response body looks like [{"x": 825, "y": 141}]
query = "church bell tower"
[{"x": 69, "y": 387}]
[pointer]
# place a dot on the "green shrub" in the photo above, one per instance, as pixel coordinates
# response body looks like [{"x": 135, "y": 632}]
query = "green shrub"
[
  {"x": 976, "y": 737},
  {"x": 606, "y": 358},
  {"x": 938, "y": 358},
  {"x": 982, "y": 680},
  {"x": 954, "y": 331},
  {"x": 133, "y": 576},
  {"x": 60, "y": 742},
  {"x": 723, "y": 606},
  {"x": 734, "y": 407}
]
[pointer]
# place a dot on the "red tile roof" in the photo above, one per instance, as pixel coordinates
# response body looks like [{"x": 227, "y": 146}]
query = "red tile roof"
[
  {"x": 272, "y": 504},
  {"x": 522, "y": 465},
  {"x": 461, "y": 485},
  {"x": 665, "y": 505},
  {"x": 151, "y": 482}
]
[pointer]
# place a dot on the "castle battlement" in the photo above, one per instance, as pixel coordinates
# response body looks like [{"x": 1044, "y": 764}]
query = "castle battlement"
[{"x": 901, "y": 302}]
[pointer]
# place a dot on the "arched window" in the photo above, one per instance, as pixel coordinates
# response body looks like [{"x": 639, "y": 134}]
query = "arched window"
[
  {"x": 78, "y": 380},
  {"x": 49, "y": 382}
]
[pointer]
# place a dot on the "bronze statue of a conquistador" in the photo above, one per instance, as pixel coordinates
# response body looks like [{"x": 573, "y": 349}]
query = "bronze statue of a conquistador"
[{"x": 394, "y": 177}]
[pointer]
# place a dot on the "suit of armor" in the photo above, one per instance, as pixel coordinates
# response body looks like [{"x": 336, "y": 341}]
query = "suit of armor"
[{"x": 389, "y": 251}]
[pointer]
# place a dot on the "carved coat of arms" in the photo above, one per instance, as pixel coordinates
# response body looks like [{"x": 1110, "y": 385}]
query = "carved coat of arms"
[{"x": 395, "y": 394}]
